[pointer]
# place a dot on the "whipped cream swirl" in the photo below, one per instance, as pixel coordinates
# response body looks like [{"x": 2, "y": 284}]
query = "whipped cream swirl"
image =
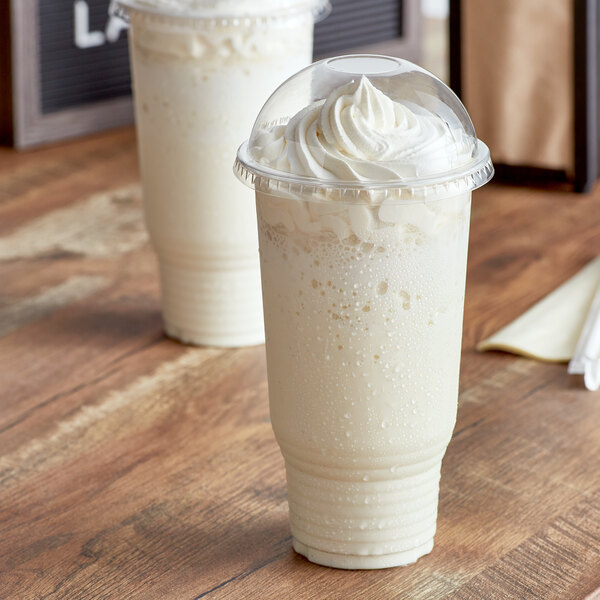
[{"x": 360, "y": 134}]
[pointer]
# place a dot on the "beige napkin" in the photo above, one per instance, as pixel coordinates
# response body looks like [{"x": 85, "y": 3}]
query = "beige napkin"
[{"x": 549, "y": 330}]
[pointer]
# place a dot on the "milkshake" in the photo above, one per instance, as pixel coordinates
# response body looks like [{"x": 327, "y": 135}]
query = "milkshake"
[
  {"x": 363, "y": 202},
  {"x": 201, "y": 71}
]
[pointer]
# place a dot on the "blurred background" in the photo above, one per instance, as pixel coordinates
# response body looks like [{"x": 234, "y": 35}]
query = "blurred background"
[{"x": 525, "y": 69}]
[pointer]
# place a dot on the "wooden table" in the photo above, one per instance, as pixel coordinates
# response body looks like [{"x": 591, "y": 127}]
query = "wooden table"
[{"x": 135, "y": 467}]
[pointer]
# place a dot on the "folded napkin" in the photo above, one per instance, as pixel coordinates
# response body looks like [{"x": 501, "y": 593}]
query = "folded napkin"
[{"x": 550, "y": 329}]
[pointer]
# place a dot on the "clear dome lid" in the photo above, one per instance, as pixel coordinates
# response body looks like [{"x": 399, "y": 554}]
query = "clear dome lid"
[{"x": 360, "y": 122}]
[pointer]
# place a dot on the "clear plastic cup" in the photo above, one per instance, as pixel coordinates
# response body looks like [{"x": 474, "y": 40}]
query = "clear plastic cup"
[
  {"x": 201, "y": 70},
  {"x": 363, "y": 289}
]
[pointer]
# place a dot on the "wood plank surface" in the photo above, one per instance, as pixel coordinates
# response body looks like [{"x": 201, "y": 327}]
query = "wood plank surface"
[{"x": 135, "y": 467}]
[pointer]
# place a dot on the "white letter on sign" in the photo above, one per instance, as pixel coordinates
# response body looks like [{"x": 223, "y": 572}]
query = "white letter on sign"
[
  {"x": 84, "y": 38},
  {"x": 114, "y": 28}
]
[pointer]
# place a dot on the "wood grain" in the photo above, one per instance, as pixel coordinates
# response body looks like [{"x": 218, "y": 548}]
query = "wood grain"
[{"x": 133, "y": 467}]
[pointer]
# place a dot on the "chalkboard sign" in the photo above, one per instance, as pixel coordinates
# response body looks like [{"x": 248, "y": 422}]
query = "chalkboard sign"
[
  {"x": 354, "y": 23},
  {"x": 67, "y": 67},
  {"x": 68, "y": 70},
  {"x": 83, "y": 54},
  {"x": 361, "y": 25}
]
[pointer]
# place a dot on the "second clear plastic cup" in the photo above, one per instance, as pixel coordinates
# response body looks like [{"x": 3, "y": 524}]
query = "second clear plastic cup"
[{"x": 199, "y": 78}]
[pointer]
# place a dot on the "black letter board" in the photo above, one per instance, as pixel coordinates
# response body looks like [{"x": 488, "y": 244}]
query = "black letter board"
[
  {"x": 83, "y": 54},
  {"x": 67, "y": 60},
  {"x": 68, "y": 70}
]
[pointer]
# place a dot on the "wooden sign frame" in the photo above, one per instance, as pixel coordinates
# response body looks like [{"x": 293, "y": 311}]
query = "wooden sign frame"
[
  {"x": 23, "y": 123},
  {"x": 586, "y": 61}
]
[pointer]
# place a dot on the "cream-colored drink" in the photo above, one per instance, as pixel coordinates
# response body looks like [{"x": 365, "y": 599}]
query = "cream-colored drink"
[
  {"x": 201, "y": 71},
  {"x": 363, "y": 295}
]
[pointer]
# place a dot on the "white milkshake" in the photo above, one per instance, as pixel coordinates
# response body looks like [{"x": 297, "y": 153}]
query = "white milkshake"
[
  {"x": 201, "y": 71},
  {"x": 363, "y": 257}
]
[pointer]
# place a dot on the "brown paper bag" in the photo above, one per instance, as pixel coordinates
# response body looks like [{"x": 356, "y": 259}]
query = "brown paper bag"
[{"x": 517, "y": 79}]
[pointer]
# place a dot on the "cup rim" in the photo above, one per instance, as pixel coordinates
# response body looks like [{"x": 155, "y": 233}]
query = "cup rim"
[
  {"x": 402, "y": 190},
  {"x": 124, "y": 9}
]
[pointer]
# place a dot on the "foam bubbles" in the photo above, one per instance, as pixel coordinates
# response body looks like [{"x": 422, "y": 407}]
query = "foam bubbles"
[{"x": 382, "y": 288}]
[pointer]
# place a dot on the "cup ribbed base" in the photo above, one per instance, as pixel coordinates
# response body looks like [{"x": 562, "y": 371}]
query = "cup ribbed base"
[
  {"x": 368, "y": 519},
  {"x": 219, "y": 306}
]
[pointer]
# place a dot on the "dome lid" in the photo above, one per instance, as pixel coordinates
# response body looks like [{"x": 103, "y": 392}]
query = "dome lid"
[{"x": 360, "y": 122}]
